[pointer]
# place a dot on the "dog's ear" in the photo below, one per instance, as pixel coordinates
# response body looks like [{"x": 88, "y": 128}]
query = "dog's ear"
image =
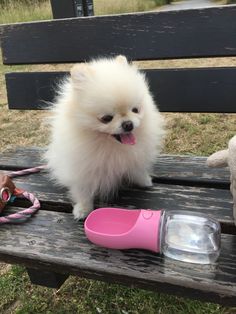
[
  {"x": 121, "y": 59},
  {"x": 80, "y": 72}
]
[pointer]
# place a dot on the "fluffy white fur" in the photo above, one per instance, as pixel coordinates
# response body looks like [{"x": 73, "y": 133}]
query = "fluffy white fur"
[{"x": 83, "y": 154}]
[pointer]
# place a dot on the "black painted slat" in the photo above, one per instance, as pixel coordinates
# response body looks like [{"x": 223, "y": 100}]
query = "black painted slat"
[
  {"x": 54, "y": 241},
  {"x": 67, "y": 8},
  {"x": 44, "y": 278},
  {"x": 140, "y": 36},
  {"x": 32, "y": 90},
  {"x": 176, "y": 90}
]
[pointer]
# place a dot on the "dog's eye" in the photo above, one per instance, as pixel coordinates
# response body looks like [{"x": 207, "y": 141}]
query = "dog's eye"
[
  {"x": 106, "y": 119},
  {"x": 135, "y": 110}
]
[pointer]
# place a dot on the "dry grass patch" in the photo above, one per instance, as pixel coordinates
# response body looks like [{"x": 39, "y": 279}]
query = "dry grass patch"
[
  {"x": 22, "y": 128},
  {"x": 103, "y": 7},
  {"x": 18, "y": 11},
  {"x": 188, "y": 63},
  {"x": 198, "y": 133},
  {"x": 4, "y": 268}
]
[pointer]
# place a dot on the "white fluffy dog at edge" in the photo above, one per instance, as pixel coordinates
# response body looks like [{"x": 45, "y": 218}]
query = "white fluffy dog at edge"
[{"x": 106, "y": 128}]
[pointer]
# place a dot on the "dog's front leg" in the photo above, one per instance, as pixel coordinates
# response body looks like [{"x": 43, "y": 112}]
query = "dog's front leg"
[
  {"x": 83, "y": 203},
  {"x": 142, "y": 178}
]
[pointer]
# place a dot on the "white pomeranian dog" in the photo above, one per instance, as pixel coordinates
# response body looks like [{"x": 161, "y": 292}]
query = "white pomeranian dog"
[{"x": 106, "y": 128}]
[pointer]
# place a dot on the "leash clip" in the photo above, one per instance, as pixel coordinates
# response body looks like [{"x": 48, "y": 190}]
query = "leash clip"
[{"x": 5, "y": 194}]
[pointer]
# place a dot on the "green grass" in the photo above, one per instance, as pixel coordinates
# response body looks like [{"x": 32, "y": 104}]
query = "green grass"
[{"x": 87, "y": 296}]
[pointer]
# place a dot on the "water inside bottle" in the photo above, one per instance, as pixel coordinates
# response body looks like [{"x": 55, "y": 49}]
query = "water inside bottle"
[{"x": 190, "y": 237}]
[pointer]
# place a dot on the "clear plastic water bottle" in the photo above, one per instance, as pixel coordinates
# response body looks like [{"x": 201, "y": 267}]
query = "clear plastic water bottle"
[{"x": 190, "y": 237}]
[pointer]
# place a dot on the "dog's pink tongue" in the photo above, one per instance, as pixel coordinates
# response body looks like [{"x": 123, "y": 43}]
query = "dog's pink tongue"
[{"x": 127, "y": 138}]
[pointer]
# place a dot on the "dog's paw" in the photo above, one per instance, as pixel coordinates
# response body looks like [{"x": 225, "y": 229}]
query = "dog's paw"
[
  {"x": 144, "y": 181},
  {"x": 147, "y": 182},
  {"x": 80, "y": 212}
]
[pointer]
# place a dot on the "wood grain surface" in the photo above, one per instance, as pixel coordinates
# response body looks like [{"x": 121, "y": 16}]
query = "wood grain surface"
[
  {"x": 54, "y": 241},
  {"x": 173, "y": 189},
  {"x": 140, "y": 36},
  {"x": 192, "y": 169},
  {"x": 175, "y": 90}
]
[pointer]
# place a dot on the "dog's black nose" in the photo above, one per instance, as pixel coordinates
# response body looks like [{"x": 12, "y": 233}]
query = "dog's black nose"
[{"x": 127, "y": 126}]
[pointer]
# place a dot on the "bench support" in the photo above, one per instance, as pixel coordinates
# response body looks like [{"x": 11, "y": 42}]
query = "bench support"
[{"x": 46, "y": 278}]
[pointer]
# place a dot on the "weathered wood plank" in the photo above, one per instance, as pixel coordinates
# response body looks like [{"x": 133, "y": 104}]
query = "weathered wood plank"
[
  {"x": 21, "y": 157},
  {"x": 140, "y": 36},
  {"x": 216, "y": 202},
  {"x": 192, "y": 169},
  {"x": 172, "y": 175},
  {"x": 55, "y": 241},
  {"x": 192, "y": 90}
]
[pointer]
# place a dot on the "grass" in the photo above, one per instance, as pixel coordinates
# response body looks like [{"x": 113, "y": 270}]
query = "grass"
[
  {"x": 31, "y": 129},
  {"x": 102, "y": 7},
  {"x": 199, "y": 134},
  {"x": 18, "y": 11},
  {"x": 87, "y": 296}
]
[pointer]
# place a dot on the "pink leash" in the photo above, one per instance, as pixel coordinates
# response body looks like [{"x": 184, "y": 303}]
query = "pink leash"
[{"x": 5, "y": 195}]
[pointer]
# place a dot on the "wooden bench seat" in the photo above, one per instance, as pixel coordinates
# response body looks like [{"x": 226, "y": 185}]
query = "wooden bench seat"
[
  {"x": 52, "y": 245},
  {"x": 53, "y": 240}
]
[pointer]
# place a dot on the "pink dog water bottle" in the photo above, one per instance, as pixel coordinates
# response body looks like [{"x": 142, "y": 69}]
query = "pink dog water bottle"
[{"x": 185, "y": 236}]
